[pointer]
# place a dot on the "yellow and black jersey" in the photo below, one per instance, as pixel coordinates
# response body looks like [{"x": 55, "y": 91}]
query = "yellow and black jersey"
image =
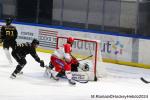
[
  {"x": 8, "y": 33},
  {"x": 26, "y": 48}
]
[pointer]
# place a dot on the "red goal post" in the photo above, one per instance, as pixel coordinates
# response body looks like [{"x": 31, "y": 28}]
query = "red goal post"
[{"x": 83, "y": 48}]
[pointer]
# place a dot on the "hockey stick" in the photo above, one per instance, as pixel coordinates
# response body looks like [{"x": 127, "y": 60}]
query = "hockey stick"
[
  {"x": 145, "y": 81},
  {"x": 86, "y": 58},
  {"x": 83, "y": 58}
]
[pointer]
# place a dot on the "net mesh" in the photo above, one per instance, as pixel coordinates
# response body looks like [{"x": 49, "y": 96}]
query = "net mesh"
[{"x": 86, "y": 51}]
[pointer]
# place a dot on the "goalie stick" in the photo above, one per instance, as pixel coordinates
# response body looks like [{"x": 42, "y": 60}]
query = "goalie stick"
[
  {"x": 86, "y": 58},
  {"x": 145, "y": 81},
  {"x": 83, "y": 58}
]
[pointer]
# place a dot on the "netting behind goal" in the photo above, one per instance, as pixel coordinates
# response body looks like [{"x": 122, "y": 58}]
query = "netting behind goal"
[{"x": 86, "y": 51}]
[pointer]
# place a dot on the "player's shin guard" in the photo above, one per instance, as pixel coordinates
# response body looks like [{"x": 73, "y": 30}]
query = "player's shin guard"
[
  {"x": 8, "y": 56},
  {"x": 69, "y": 77}
]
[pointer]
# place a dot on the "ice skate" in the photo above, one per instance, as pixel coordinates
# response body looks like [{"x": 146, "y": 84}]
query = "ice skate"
[
  {"x": 54, "y": 74},
  {"x": 54, "y": 77},
  {"x": 69, "y": 77},
  {"x": 48, "y": 73},
  {"x": 72, "y": 82},
  {"x": 13, "y": 76},
  {"x": 20, "y": 73}
]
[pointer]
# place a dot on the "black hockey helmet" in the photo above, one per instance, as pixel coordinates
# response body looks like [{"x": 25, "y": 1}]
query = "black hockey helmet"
[
  {"x": 8, "y": 21},
  {"x": 35, "y": 41}
]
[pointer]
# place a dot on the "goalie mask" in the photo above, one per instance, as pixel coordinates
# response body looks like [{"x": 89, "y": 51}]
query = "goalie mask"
[{"x": 85, "y": 67}]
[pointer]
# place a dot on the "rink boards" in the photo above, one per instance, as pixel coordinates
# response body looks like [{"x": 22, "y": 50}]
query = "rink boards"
[{"x": 115, "y": 48}]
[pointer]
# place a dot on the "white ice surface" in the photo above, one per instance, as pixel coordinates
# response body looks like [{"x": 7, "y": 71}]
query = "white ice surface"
[{"x": 33, "y": 85}]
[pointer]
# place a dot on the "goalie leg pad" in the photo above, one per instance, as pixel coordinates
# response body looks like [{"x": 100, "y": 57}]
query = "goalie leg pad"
[{"x": 81, "y": 77}]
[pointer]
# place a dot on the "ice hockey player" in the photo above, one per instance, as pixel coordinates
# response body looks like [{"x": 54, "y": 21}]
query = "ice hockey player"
[
  {"x": 61, "y": 60},
  {"x": 20, "y": 52},
  {"x": 8, "y": 35}
]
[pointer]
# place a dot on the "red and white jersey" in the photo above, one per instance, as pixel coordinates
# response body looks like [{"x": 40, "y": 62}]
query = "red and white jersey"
[{"x": 64, "y": 52}]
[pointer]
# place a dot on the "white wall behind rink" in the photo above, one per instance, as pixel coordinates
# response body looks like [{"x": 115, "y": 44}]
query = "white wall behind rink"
[
  {"x": 144, "y": 51},
  {"x": 114, "y": 48}
]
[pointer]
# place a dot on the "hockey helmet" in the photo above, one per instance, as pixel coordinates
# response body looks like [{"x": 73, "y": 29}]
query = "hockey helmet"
[
  {"x": 8, "y": 21},
  {"x": 70, "y": 40},
  {"x": 35, "y": 41},
  {"x": 85, "y": 67}
]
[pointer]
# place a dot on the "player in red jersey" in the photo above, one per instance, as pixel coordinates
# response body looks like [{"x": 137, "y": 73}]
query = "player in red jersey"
[{"x": 61, "y": 60}]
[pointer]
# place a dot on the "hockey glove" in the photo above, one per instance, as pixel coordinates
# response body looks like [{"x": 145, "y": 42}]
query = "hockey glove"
[
  {"x": 75, "y": 62},
  {"x": 41, "y": 63}
]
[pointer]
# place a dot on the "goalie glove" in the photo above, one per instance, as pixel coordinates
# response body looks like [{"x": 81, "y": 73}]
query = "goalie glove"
[
  {"x": 74, "y": 65},
  {"x": 74, "y": 61}
]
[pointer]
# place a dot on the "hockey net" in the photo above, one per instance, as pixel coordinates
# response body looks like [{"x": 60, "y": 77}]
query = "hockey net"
[{"x": 86, "y": 51}]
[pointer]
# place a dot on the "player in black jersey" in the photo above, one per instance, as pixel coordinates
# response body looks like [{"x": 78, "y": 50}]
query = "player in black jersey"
[
  {"x": 20, "y": 52},
  {"x": 8, "y": 35}
]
